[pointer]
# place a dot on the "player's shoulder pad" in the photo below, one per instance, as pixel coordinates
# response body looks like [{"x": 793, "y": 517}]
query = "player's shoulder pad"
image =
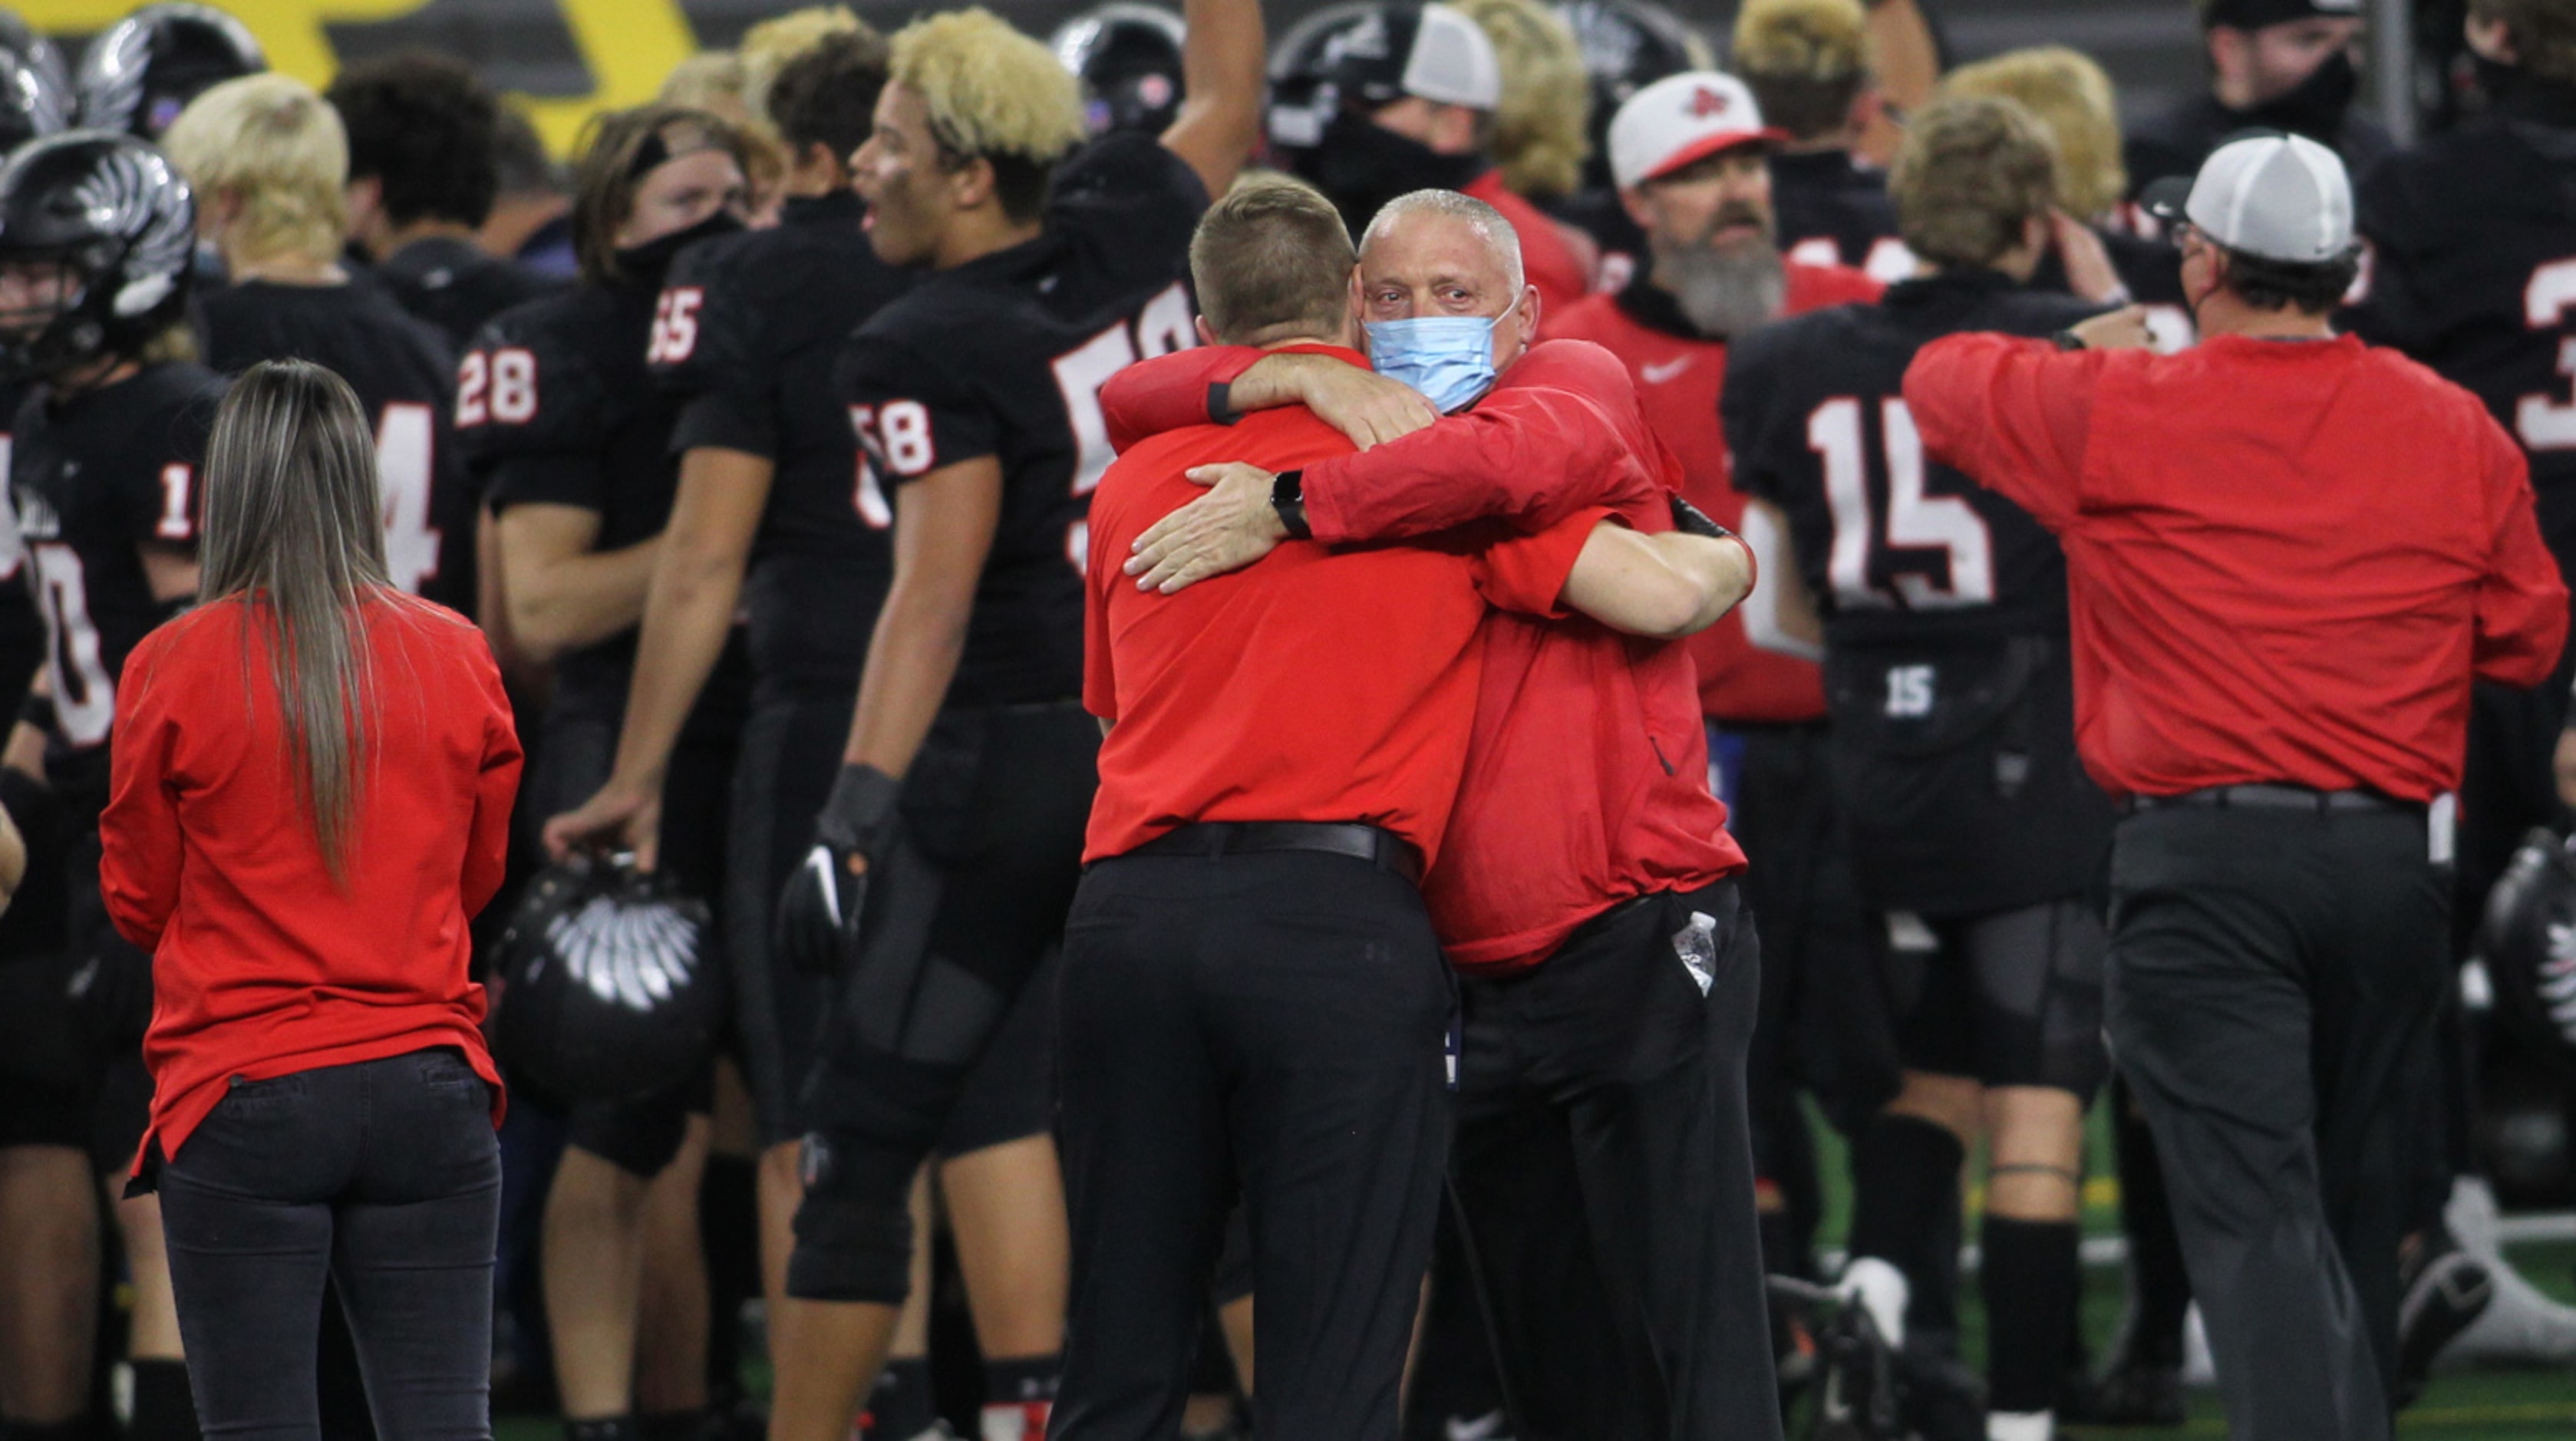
[
  {"x": 708, "y": 321},
  {"x": 531, "y": 382},
  {"x": 169, "y": 410},
  {"x": 1120, "y": 165},
  {"x": 2035, "y": 312}
]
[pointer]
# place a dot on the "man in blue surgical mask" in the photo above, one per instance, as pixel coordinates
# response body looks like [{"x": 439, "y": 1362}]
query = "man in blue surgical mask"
[{"x": 1585, "y": 891}]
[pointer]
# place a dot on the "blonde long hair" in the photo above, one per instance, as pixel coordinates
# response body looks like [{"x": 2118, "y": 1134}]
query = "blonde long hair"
[{"x": 294, "y": 530}]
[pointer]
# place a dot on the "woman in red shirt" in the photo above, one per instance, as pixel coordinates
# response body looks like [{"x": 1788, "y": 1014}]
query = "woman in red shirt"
[{"x": 312, "y": 778}]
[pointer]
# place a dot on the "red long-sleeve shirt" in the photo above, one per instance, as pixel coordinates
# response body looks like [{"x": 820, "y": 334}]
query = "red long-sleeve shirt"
[
  {"x": 2285, "y": 560},
  {"x": 1587, "y": 768},
  {"x": 260, "y": 965}
]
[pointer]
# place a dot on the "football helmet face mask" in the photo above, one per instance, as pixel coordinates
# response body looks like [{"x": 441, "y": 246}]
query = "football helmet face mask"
[
  {"x": 2527, "y": 942},
  {"x": 96, "y": 237},
  {"x": 1128, "y": 58},
  {"x": 142, "y": 71}
]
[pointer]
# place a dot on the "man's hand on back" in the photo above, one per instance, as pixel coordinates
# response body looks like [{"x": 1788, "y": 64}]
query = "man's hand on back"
[
  {"x": 1361, "y": 404},
  {"x": 1225, "y": 530}
]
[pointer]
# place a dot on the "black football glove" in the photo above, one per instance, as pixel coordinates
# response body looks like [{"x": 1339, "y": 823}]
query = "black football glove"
[
  {"x": 818, "y": 913},
  {"x": 1691, "y": 520}
]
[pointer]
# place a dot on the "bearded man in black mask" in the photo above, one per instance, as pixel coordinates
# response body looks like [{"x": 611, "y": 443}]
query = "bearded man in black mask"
[{"x": 2291, "y": 65}]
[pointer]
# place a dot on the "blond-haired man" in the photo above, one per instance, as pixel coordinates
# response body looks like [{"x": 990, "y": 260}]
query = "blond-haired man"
[{"x": 946, "y": 854}]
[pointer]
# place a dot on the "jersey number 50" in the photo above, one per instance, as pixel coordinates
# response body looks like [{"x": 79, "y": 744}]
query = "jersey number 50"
[{"x": 1914, "y": 520}]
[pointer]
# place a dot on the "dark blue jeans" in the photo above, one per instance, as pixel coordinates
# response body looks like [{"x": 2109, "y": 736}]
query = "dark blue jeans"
[{"x": 382, "y": 1177}]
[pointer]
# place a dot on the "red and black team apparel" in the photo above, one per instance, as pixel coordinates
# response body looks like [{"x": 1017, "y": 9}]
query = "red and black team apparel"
[
  {"x": 555, "y": 406},
  {"x": 1001, "y": 357},
  {"x": 1830, "y": 209},
  {"x": 1005, "y": 356},
  {"x": 745, "y": 338},
  {"x": 749, "y": 328},
  {"x": 1679, "y": 373},
  {"x": 1944, "y": 604},
  {"x": 456, "y": 285},
  {"x": 404, "y": 372},
  {"x": 95, "y": 478}
]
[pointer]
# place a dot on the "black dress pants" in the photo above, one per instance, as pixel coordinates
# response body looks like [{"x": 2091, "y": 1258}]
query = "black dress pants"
[
  {"x": 2274, "y": 980},
  {"x": 380, "y": 1178},
  {"x": 1273, "y": 1024},
  {"x": 1604, "y": 1173}
]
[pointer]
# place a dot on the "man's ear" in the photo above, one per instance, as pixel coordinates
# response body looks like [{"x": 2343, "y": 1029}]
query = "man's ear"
[
  {"x": 1632, "y": 198},
  {"x": 1529, "y": 315},
  {"x": 1866, "y": 107},
  {"x": 971, "y": 185},
  {"x": 1206, "y": 336}
]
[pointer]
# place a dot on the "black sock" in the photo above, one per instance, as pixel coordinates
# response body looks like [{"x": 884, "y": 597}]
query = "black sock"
[
  {"x": 2032, "y": 1282},
  {"x": 2159, "y": 1287},
  {"x": 1905, "y": 1177},
  {"x": 163, "y": 1409},
  {"x": 671, "y": 1425},
  {"x": 1013, "y": 1380},
  {"x": 602, "y": 1428},
  {"x": 76, "y": 1429},
  {"x": 729, "y": 1228},
  {"x": 901, "y": 1407}
]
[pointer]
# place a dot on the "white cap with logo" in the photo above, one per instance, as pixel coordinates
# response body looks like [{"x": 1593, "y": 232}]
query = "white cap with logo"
[
  {"x": 2279, "y": 197},
  {"x": 1680, "y": 120}
]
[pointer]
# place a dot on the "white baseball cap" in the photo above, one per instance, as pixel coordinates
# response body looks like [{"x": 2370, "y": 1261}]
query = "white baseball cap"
[
  {"x": 2280, "y": 197},
  {"x": 1452, "y": 61},
  {"x": 1680, "y": 120}
]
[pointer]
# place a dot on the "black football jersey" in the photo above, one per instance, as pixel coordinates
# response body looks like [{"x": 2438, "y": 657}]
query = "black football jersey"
[
  {"x": 749, "y": 330},
  {"x": 555, "y": 406},
  {"x": 1005, "y": 356},
  {"x": 22, "y": 624},
  {"x": 1888, "y": 542},
  {"x": 93, "y": 479},
  {"x": 404, "y": 372},
  {"x": 1828, "y": 210},
  {"x": 1946, "y": 671},
  {"x": 2472, "y": 270},
  {"x": 451, "y": 283}
]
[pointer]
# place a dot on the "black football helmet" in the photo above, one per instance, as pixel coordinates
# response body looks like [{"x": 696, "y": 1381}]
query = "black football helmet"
[
  {"x": 41, "y": 54},
  {"x": 611, "y": 988},
  {"x": 33, "y": 102},
  {"x": 1627, "y": 46},
  {"x": 1128, "y": 58},
  {"x": 99, "y": 231},
  {"x": 143, "y": 70},
  {"x": 2527, "y": 942}
]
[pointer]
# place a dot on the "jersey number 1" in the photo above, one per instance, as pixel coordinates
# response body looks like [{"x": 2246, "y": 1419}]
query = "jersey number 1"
[{"x": 1914, "y": 520}]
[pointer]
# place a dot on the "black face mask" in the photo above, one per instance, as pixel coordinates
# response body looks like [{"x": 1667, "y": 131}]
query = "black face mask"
[
  {"x": 644, "y": 264},
  {"x": 2316, "y": 106},
  {"x": 1362, "y": 165}
]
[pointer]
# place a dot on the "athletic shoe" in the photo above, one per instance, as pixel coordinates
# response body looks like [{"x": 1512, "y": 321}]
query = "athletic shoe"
[{"x": 2447, "y": 1289}]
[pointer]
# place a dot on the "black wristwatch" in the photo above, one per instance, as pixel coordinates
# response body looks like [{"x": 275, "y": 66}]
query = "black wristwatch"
[
  {"x": 1288, "y": 497},
  {"x": 2068, "y": 340}
]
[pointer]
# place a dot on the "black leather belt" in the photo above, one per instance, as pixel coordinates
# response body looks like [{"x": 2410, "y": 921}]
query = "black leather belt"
[
  {"x": 2274, "y": 798},
  {"x": 1381, "y": 848}
]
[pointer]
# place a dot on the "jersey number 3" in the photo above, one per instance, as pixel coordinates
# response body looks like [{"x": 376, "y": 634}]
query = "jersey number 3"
[
  {"x": 2540, "y": 420},
  {"x": 1914, "y": 521}
]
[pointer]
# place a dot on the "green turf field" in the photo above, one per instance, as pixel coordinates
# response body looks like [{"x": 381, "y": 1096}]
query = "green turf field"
[{"x": 2489, "y": 1406}]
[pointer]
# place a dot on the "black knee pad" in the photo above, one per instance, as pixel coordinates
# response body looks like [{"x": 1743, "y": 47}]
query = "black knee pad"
[{"x": 849, "y": 1247}]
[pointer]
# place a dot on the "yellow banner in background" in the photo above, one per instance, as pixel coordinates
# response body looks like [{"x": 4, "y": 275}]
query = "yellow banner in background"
[{"x": 627, "y": 45}]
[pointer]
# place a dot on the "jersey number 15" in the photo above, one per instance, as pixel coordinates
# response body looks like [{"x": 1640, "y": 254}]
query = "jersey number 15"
[{"x": 1914, "y": 520}]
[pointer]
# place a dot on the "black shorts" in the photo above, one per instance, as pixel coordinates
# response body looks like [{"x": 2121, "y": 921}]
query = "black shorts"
[
  {"x": 791, "y": 751},
  {"x": 1958, "y": 779},
  {"x": 577, "y": 753},
  {"x": 49, "y": 1070},
  {"x": 2010, "y": 998},
  {"x": 996, "y": 802}
]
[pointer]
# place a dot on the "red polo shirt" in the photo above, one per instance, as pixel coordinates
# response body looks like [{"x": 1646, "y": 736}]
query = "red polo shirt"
[
  {"x": 2285, "y": 560},
  {"x": 1587, "y": 770},
  {"x": 1679, "y": 374},
  {"x": 1319, "y": 685}
]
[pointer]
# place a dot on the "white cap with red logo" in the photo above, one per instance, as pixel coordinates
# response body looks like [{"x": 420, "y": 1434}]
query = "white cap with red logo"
[{"x": 1682, "y": 119}]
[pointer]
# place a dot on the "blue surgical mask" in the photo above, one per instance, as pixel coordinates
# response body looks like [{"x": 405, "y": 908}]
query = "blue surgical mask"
[{"x": 1449, "y": 358}]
